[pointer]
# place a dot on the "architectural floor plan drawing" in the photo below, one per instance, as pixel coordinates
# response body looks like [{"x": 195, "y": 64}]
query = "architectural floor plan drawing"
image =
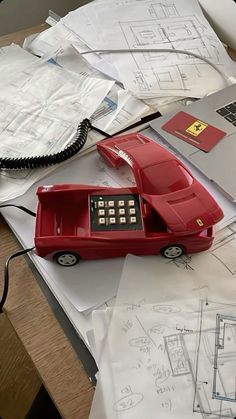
[
  {"x": 214, "y": 374},
  {"x": 150, "y": 25},
  {"x": 168, "y": 33},
  {"x": 212, "y": 367},
  {"x": 162, "y": 10},
  {"x": 176, "y": 358},
  {"x": 166, "y": 70}
]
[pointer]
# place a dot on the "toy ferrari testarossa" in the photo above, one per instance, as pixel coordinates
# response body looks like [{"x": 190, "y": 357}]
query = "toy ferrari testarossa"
[{"x": 167, "y": 212}]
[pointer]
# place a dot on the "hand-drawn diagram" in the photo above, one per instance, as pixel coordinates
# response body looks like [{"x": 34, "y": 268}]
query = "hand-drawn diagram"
[
  {"x": 161, "y": 10},
  {"x": 210, "y": 360},
  {"x": 128, "y": 399},
  {"x": 169, "y": 33},
  {"x": 183, "y": 261},
  {"x": 168, "y": 29},
  {"x": 223, "y": 253},
  {"x": 178, "y": 350},
  {"x": 214, "y": 378},
  {"x": 225, "y": 341}
]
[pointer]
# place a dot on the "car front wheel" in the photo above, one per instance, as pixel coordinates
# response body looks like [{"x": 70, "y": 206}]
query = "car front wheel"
[
  {"x": 66, "y": 258},
  {"x": 172, "y": 252}
]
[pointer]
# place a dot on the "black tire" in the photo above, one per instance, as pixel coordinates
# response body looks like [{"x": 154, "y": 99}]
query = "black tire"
[
  {"x": 173, "y": 251},
  {"x": 67, "y": 258}
]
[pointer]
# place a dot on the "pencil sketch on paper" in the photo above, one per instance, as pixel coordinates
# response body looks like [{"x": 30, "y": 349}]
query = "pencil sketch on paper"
[
  {"x": 128, "y": 399},
  {"x": 225, "y": 341},
  {"x": 221, "y": 254},
  {"x": 216, "y": 359},
  {"x": 213, "y": 371},
  {"x": 161, "y": 10},
  {"x": 183, "y": 262},
  {"x": 180, "y": 350},
  {"x": 225, "y": 254},
  {"x": 167, "y": 29}
]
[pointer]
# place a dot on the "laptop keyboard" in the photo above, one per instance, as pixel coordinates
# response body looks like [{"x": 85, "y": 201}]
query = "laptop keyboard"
[{"x": 228, "y": 112}]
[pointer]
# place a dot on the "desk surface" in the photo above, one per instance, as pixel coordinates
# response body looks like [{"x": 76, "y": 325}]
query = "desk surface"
[{"x": 35, "y": 323}]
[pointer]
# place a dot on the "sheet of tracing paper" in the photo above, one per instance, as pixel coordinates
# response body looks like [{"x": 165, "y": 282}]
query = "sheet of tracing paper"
[{"x": 168, "y": 345}]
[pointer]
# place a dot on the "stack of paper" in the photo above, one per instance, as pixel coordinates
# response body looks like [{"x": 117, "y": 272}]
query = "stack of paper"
[
  {"x": 41, "y": 106},
  {"x": 154, "y": 29},
  {"x": 49, "y": 101},
  {"x": 169, "y": 338}
]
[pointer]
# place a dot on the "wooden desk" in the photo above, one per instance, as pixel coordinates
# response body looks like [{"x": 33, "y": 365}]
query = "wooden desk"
[{"x": 55, "y": 360}]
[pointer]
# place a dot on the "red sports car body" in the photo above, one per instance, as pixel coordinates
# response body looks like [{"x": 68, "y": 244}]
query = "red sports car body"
[{"x": 168, "y": 212}]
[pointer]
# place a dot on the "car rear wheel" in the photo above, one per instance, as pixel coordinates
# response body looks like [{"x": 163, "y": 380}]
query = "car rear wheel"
[
  {"x": 172, "y": 252},
  {"x": 67, "y": 258}
]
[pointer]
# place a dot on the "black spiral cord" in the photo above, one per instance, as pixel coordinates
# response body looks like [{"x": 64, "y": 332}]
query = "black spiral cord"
[
  {"x": 36, "y": 162},
  {"x": 50, "y": 159}
]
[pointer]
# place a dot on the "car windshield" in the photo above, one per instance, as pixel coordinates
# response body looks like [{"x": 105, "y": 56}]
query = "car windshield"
[{"x": 163, "y": 178}]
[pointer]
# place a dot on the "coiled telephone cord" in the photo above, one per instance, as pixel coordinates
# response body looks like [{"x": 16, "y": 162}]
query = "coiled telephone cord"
[{"x": 50, "y": 159}]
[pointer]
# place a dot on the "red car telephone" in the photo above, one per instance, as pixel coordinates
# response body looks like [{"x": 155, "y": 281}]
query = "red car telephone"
[{"x": 168, "y": 212}]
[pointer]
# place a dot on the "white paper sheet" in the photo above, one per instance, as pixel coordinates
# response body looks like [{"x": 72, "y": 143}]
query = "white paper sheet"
[
  {"x": 155, "y": 280},
  {"x": 13, "y": 60},
  {"x": 119, "y": 109},
  {"x": 60, "y": 39},
  {"x": 135, "y": 24},
  {"x": 97, "y": 409},
  {"x": 110, "y": 108},
  {"x": 158, "y": 355},
  {"x": 100, "y": 322},
  {"x": 40, "y": 109}
]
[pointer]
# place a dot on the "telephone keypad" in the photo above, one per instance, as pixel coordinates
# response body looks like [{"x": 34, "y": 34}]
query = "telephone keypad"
[{"x": 115, "y": 212}]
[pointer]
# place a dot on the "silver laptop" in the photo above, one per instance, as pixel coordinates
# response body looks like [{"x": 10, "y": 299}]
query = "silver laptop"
[{"x": 219, "y": 164}]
